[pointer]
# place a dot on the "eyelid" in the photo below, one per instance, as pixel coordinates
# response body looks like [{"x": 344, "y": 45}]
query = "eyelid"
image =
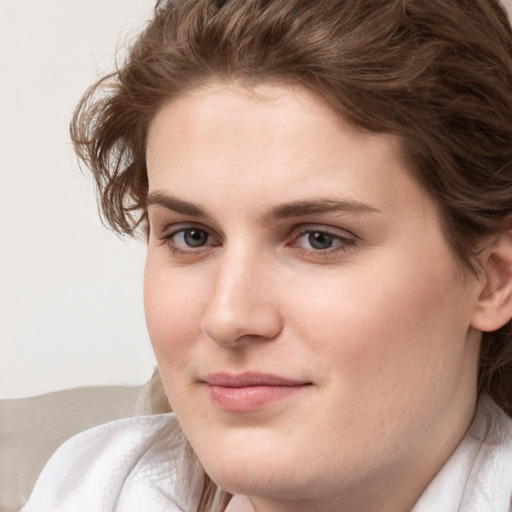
[
  {"x": 172, "y": 229},
  {"x": 322, "y": 228},
  {"x": 179, "y": 250},
  {"x": 345, "y": 238}
]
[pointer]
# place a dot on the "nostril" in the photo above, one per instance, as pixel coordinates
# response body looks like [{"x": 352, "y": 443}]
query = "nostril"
[{"x": 245, "y": 323}]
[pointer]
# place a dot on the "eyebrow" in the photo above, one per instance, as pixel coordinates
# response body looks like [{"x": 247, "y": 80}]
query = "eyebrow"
[
  {"x": 318, "y": 206},
  {"x": 293, "y": 209},
  {"x": 176, "y": 205}
]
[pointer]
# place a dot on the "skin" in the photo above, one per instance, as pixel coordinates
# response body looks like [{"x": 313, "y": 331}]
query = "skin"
[{"x": 379, "y": 324}]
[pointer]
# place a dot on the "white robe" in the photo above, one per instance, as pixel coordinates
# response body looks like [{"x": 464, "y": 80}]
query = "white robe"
[{"x": 138, "y": 464}]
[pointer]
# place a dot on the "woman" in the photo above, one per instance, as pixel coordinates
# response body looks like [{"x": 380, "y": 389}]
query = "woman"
[{"x": 326, "y": 191}]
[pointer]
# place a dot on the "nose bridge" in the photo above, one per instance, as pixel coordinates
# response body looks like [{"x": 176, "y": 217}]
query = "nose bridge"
[
  {"x": 236, "y": 273},
  {"x": 242, "y": 302}
]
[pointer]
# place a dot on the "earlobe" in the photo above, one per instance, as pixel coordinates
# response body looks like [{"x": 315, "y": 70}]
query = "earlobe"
[{"x": 494, "y": 304}]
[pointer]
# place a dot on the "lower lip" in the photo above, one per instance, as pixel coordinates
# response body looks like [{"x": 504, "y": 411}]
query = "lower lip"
[{"x": 250, "y": 398}]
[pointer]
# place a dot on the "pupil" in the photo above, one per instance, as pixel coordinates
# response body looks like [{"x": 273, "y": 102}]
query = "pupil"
[
  {"x": 195, "y": 237},
  {"x": 320, "y": 241}
]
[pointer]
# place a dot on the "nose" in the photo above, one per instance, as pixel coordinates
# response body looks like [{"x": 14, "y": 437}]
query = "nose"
[{"x": 243, "y": 305}]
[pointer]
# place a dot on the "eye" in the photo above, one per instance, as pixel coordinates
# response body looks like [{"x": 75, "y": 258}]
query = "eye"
[
  {"x": 322, "y": 242},
  {"x": 191, "y": 237},
  {"x": 187, "y": 240}
]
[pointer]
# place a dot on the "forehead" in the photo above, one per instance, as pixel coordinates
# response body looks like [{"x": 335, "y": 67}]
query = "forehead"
[
  {"x": 267, "y": 129},
  {"x": 284, "y": 103}
]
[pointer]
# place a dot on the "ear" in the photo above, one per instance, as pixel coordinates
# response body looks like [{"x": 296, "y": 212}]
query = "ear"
[{"x": 494, "y": 304}]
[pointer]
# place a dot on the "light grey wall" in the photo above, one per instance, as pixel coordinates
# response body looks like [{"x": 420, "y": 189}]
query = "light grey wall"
[{"x": 71, "y": 310}]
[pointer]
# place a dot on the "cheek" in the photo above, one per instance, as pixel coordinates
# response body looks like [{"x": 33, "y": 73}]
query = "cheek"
[
  {"x": 383, "y": 325},
  {"x": 173, "y": 316},
  {"x": 173, "y": 307}
]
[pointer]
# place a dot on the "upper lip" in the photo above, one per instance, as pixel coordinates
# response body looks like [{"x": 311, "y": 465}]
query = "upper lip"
[{"x": 248, "y": 379}]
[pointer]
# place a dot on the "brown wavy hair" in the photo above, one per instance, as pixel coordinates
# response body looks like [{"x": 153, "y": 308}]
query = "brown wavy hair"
[{"x": 435, "y": 73}]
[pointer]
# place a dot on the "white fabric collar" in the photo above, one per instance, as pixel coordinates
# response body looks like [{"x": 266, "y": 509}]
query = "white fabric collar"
[
  {"x": 478, "y": 476},
  {"x": 138, "y": 464}
]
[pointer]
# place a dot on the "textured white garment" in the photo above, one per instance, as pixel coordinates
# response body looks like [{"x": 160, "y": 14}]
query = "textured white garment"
[
  {"x": 478, "y": 476},
  {"x": 130, "y": 465},
  {"x": 138, "y": 464}
]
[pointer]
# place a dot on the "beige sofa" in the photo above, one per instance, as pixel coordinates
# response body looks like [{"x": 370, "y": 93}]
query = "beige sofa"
[{"x": 32, "y": 428}]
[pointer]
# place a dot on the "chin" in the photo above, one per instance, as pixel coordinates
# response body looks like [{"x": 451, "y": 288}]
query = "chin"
[
  {"x": 265, "y": 480},
  {"x": 260, "y": 469}
]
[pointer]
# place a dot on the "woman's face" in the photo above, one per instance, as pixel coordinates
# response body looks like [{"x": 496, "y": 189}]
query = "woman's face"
[{"x": 310, "y": 325}]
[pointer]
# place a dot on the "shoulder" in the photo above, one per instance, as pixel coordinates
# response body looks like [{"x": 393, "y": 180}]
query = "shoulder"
[{"x": 129, "y": 465}]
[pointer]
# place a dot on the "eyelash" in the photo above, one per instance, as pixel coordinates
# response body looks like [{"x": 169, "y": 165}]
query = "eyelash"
[
  {"x": 343, "y": 243},
  {"x": 176, "y": 250}
]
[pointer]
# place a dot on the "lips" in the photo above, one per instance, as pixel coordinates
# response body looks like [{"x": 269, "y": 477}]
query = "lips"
[{"x": 250, "y": 391}]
